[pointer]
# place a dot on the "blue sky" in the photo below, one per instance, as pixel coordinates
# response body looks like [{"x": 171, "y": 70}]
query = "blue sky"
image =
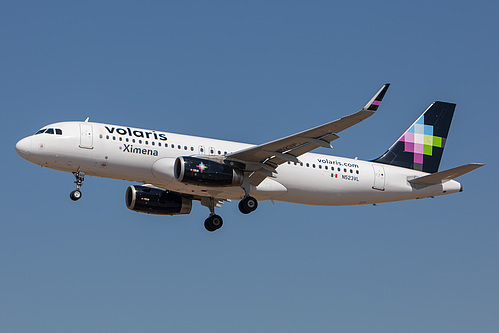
[{"x": 251, "y": 72}]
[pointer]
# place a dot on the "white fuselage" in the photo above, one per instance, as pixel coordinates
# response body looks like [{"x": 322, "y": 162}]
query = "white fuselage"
[{"x": 138, "y": 155}]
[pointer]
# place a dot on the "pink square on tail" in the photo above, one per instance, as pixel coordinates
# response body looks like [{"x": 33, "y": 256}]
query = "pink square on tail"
[
  {"x": 418, "y": 148},
  {"x": 409, "y": 137},
  {"x": 409, "y": 147}
]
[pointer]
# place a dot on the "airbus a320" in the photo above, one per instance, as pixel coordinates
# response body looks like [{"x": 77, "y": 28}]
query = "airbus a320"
[{"x": 173, "y": 170}]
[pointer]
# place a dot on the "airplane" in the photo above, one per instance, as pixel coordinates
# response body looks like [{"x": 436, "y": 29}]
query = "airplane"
[{"x": 174, "y": 170}]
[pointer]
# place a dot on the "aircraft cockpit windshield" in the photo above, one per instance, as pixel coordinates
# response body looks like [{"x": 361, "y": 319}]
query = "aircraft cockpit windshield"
[{"x": 56, "y": 131}]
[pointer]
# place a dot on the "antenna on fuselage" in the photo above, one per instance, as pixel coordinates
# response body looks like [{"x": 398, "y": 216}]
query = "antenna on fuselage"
[{"x": 86, "y": 120}]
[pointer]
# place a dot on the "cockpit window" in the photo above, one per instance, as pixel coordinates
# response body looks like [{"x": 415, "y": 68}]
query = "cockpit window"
[{"x": 57, "y": 131}]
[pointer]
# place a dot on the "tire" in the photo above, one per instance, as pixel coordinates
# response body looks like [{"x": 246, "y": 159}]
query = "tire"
[
  {"x": 248, "y": 205},
  {"x": 213, "y": 223},
  {"x": 217, "y": 221},
  {"x": 208, "y": 226},
  {"x": 242, "y": 208},
  {"x": 75, "y": 195}
]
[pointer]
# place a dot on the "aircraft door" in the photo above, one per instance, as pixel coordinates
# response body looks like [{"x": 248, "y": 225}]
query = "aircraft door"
[
  {"x": 379, "y": 177},
  {"x": 86, "y": 136}
]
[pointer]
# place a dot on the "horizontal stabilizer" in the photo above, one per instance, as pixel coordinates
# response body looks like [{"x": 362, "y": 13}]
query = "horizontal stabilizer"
[{"x": 446, "y": 175}]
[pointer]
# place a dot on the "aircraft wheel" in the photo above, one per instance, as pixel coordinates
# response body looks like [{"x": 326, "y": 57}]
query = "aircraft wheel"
[
  {"x": 213, "y": 223},
  {"x": 75, "y": 195},
  {"x": 248, "y": 205}
]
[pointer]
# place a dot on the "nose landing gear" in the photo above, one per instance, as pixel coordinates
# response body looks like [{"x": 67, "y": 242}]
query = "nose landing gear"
[
  {"x": 75, "y": 195},
  {"x": 80, "y": 177}
]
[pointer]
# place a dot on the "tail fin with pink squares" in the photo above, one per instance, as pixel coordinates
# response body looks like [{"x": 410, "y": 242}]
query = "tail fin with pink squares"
[{"x": 422, "y": 145}]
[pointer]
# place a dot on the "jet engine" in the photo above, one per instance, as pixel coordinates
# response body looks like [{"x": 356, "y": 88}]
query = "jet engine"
[
  {"x": 149, "y": 200},
  {"x": 206, "y": 172}
]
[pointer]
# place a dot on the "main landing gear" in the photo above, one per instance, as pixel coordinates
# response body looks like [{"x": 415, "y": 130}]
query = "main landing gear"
[
  {"x": 80, "y": 177},
  {"x": 214, "y": 222},
  {"x": 248, "y": 205}
]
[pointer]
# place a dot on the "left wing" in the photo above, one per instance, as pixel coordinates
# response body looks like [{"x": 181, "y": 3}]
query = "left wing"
[{"x": 262, "y": 160}]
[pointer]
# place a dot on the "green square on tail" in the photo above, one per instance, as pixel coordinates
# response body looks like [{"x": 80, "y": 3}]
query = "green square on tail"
[
  {"x": 428, "y": 150},
  {"x": 437, "y": 141}
]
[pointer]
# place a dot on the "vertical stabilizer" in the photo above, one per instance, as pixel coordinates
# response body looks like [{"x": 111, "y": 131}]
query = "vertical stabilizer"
[{"x": 422, "y": 145}]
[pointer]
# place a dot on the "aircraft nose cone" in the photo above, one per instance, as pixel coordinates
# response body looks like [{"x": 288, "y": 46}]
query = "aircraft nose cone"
[{"x": 23, "y": 147}]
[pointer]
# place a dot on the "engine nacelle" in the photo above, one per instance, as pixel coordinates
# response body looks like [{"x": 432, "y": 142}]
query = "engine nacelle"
[
  {"x": 206, "y": 172},
  {"x": 149, "y": 200}
]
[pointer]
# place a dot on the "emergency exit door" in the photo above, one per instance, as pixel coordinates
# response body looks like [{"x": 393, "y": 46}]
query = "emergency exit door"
[
  {"x": 379, "y": 177},
  {"x": 86, "y": 136}
]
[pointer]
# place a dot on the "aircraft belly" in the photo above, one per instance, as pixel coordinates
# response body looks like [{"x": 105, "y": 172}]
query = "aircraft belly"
[{"x": 224, "y": 192}]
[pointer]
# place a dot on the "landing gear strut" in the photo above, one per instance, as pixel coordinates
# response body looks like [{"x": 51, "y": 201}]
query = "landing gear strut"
[
  {"x": 214, "y": 222},
  {"x": 248, "y": 205},
  {"x": 80, "y": 177}
]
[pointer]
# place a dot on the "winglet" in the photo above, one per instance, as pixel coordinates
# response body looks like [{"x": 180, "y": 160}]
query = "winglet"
[{"x": 376, "y": 100}]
